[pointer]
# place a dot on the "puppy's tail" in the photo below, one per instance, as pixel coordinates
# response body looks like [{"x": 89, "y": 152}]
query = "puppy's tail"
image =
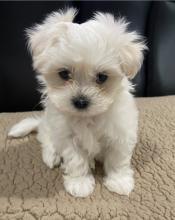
[{"x": 24, "y": 127}]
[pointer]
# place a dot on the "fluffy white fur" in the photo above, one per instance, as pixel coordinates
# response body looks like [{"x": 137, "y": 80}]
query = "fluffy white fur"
[{"x": 107, "y": 130}]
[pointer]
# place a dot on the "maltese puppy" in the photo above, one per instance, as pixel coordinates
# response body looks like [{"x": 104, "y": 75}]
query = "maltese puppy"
[{"x": 89, "y": 111}]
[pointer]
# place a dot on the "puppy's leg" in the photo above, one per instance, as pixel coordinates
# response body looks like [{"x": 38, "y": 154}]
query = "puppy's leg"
[
  {"x": 78, "y": 180},
  {"x": 49, "y": 153},
  {"x": 50, "y": 157},
  {"x": 119, "y": 175}
]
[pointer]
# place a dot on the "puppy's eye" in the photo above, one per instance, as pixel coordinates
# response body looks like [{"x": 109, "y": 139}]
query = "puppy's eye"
[
  {"x": 101, "y": 78},
  {"x": 65, "y": 74}
]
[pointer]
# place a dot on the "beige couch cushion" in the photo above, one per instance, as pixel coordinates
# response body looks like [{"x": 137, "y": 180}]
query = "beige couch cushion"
[{"x": 29, "y": 190}]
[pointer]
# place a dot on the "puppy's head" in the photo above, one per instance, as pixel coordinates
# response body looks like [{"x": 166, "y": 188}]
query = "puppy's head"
[{"x": 83, "y": 65}]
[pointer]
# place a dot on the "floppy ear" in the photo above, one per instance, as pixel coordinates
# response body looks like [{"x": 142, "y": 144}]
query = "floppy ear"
[
  {"x": 131, "y": 54},
  {"x": 129, "y": 45},
  {"x": 43, "y": 36}
]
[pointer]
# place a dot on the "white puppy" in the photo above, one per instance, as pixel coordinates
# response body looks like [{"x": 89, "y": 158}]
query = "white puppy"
[{"x": 89, "y": 111}]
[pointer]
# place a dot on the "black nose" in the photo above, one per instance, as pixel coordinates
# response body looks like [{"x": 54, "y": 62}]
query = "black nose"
[{"x": 80, "y": 102}]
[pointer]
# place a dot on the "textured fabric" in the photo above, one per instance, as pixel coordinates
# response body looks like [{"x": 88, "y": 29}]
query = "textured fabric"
[{"x": 29, "y": 190}]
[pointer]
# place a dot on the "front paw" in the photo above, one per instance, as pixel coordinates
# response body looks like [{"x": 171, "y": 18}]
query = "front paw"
[
  {"x": 79, "y": 186},
  {"x": 121, "y": 183},
  {"x": 50, "y": 158}
]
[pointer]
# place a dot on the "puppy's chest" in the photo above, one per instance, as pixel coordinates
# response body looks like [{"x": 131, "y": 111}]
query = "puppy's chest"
[{"x": 87, "y": 135}]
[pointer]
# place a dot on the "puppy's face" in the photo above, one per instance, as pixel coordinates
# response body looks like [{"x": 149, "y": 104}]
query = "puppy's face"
[{"x": 83, "y": 65}]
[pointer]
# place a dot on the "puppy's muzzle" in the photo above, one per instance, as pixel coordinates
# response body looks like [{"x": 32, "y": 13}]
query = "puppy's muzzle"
[{"x": 81, "y": 102}]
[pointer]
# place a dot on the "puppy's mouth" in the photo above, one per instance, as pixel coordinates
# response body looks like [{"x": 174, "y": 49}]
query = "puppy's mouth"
[
  {"x": 72, "y": 111},
  {"x": 86, "y": 113}
]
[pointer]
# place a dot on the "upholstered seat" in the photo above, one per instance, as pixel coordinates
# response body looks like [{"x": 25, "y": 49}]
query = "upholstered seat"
[{"x": 29, "y": 190}]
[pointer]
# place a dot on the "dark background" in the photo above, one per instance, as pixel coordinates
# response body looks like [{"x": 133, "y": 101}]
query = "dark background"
[{"x": 154, "y": 20}]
